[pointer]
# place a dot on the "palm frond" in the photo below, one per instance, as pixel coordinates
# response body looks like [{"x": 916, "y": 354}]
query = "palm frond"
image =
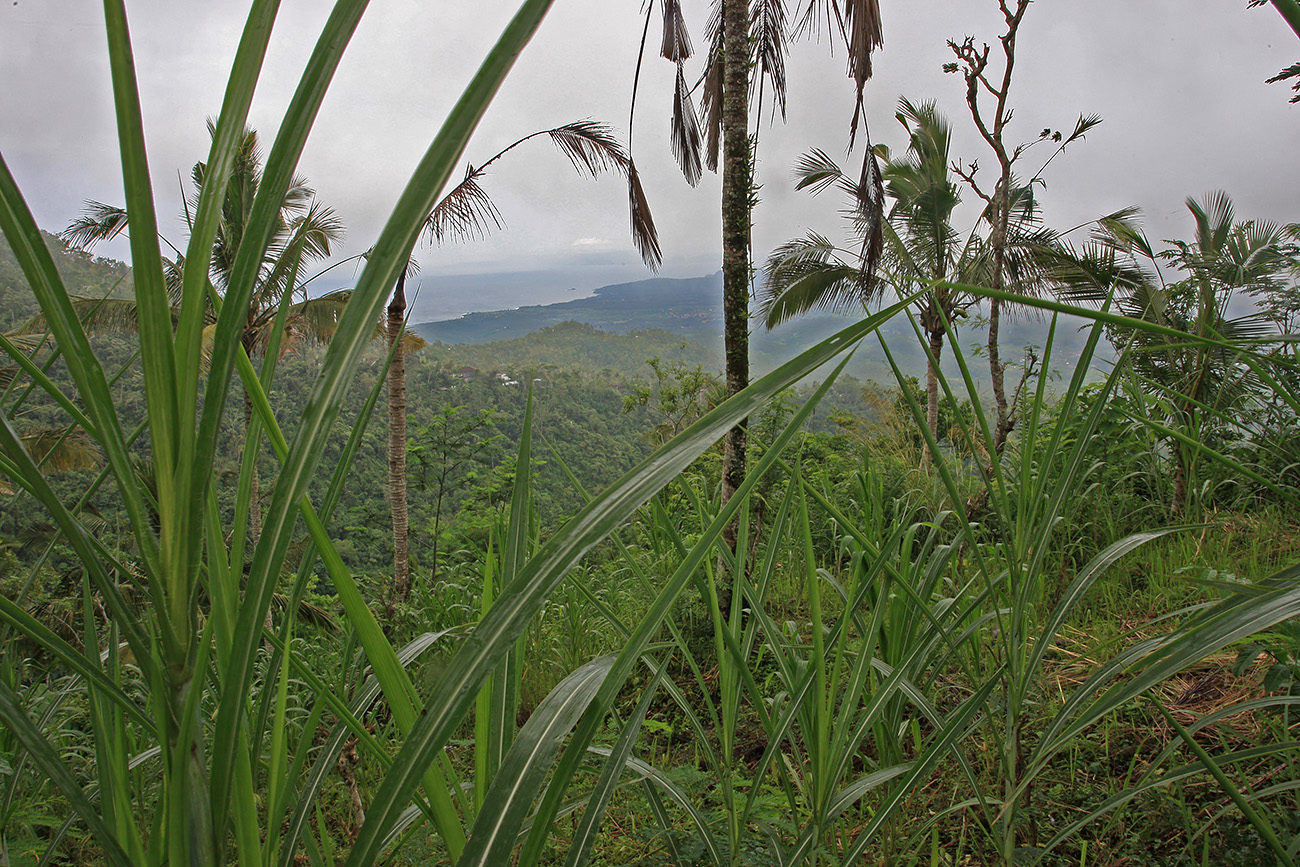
[
  {"x": 315, "y": 319},
  {"x": 1292, "y": 71},
  {"x": 98, "y": 222},
  {"x": 411, "y": 342},
  {"x": 869, "y": 214},
  {"x": 858, "y": 24},
  {"x": 1082, "y": 126},
  {"x": 685, "y": 131},
  {"x": 676, "y": 45},
  {"x": 1213, "y": 218},
  {"x": 61, "y": 448},
  {"x": 863, "y": 35},
  {"x": 644, "y": 234},
  {"x": 98, "y": 316},
  {"x": 816, "y": 171},
  {"x": 1122, "y": 232},
  {"x": 591, "y": 146},
  {"x": 314, "y": 233},
  {"x": 27, "y": 342},
  {"x": 465, "y": 213},
  {"x": 770, "y": 33},
  {"x": 711, "y": 92},
  {"x": 807, "y": 274}
]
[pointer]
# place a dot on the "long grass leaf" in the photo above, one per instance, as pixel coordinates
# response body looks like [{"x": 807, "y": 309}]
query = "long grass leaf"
[
  {"x": 584, "y": 836},
  {"x": 523, "y": 768}
]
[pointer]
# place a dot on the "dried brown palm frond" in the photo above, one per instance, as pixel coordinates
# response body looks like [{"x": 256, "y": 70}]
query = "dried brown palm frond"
[
  {"x": 711, "y": 91},
  {"x": 591, "y": 146},
  {"x": 676, "y": 44},
  {"x": 466, "y": 212},
  {"x": 857, "y": 22},
  {"x": 411, "y": 342},
  {"x": 685, "y": 131},
  {"x": 308, "y": 323},
  {"x": 869, "y": 212},
  {"x": 98, "y": 316},
  {"x": 26, "y": 342},
  {"x": 770, "y": 33},
  {"x": 644, "y": 234}
]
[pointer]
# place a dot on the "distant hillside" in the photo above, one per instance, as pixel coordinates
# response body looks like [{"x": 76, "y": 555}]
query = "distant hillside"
[
  {"x": 691, "y": 310},
  {"x": 573, "y": 344},
  {"x": 82, "y": 273}
]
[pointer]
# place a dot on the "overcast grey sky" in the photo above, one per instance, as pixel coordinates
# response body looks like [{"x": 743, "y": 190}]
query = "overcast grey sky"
[{"x": 1178, "y": 82}]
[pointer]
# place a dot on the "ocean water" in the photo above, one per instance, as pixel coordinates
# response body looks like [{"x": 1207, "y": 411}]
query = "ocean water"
[{"x": 438, "y": 297}]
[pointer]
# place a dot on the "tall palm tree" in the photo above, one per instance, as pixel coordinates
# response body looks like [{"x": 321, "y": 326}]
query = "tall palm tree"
[
  {"x": 921, "y": 247},
  {"x": 468, "y": 212},
  {"x": 748, "y": 44},
  {"x": 305, "y": 232}
]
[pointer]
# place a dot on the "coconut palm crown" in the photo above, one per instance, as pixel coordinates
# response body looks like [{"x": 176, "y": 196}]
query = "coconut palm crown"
[{"x": 305, "y": 232}]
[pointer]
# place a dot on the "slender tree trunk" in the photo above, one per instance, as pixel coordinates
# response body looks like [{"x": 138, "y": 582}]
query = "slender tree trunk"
[
  {"x": 397, "y": 443},
  {"x": 932, "y": 389},
  {"x": 737, "y": 183},
  {"x": 997, "y": 371}
]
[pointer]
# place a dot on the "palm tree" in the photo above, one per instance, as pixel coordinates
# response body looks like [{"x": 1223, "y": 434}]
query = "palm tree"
[
  {"x": 742, "y": 38},
  {"x": 305, "y": 232},
  {"x": 921, "y": 247},
  {"x": 923, "y": 251},
  {"x": 468, "y": 212},
  {"x": 1200, "y": 383}
]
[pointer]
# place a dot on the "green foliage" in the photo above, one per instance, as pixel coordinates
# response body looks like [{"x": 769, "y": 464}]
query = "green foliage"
[{"x": 900, "y": 658}]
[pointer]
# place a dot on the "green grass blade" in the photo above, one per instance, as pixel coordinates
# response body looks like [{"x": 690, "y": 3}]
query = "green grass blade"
[
  {"x": 1154, "y": 661},
  {"x": 38, "y": 268},
  {"x": 1260, "y": 824},
  {"x": 155, "y": 317},
  {"x": 522, "y": 770},
  {"x": 584, "y": 837},
  {"x": 352, "y": 336},
  {"x": 47, "y": 759},
  {"x": 74, "y": 659},
  {"x": 661, "y": 782}
]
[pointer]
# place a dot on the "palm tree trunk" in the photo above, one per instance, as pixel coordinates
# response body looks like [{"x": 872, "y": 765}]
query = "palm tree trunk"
[
  {"x": 932, "y": 390},
  {"x": 397, "y": 443},
  {"x": 737, "y": 183}
]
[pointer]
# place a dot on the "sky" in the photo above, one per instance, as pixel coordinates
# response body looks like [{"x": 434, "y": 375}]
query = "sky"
[{"x": 1179, "y": 85}]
